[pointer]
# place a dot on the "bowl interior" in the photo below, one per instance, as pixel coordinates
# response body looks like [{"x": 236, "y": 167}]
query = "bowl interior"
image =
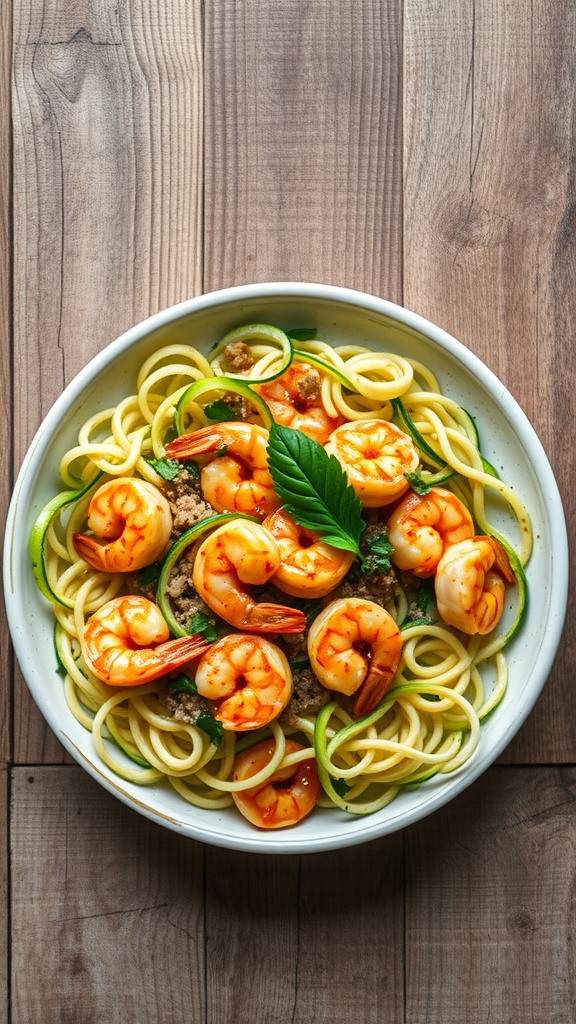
[{"x": 340, "y": 316}]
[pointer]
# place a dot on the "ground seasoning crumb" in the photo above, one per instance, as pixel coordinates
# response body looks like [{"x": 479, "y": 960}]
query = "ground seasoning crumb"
[
  {"x": 238, "y": 357},
  {"x": 309, "y": 386}
]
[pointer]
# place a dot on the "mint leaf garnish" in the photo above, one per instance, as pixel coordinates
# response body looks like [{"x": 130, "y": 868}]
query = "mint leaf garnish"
[{"x": 314, "y": 488}]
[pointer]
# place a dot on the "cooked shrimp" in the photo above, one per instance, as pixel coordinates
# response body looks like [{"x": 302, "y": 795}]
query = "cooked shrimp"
[
  {"x": 248, "y": 677},
  {"x": 134, "y": 519},
  {"x": 283, "y": 799},
  {"x": 309, "y": 567},
  {"x": 231, "y": 559},
  {"x": 422, "y": 526},
  {"x": 294, "y": 401},
  {"x": 376, "y": 455},
  {"x": 470, "y": 584},
  {"x": 126, "y": 643},
  {"x": 237, "y": 479},
  {"x": 354, "y": 646}
]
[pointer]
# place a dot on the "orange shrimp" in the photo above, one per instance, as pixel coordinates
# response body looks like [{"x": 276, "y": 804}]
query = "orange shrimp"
[
  {"x": 285, "y": 797},
  {"x": 422, "y": 526},
  {"x": 135, "y": 520},
  {"x": 376, "y": 455},
  {"x": 126, "y": 643},
  {"x": 231, "y": 559},
  {"x": 310, "y": 567},
  {"x": 354, "y": 647},
  {"x": 248, "y": 677},
  {"x": 294, "y": 399},
  {"x": 237, "y": 479},
  {"x": 470, "y": 584}
]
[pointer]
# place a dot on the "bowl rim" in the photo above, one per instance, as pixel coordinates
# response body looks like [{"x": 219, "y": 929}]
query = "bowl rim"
[{"x": 287, "y": 840}]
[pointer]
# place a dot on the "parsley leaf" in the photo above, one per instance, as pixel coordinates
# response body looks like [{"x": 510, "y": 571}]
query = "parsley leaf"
[
  {"x": 168, "y": 469},
  {"x": 181, "y": 684},
  {"x": 422, "y": 610},
  {"x": 220, "y": 411},
  {"x": 340, "y": 786},
  {"x": 417, "y": 483},
  {"x": 200, "y": 623},
  {"x": 149, "y": 575},
  {"x": 311, "y": 484},
  {"x": 213, "y": 728}
]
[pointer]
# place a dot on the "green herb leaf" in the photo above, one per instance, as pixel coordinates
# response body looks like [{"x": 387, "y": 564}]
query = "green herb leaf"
[
  {"x": 213, "y": 729},
  {"x": 298, "y": 664},
  {"x": 302, "y": 333},
  {"x": 181, "y": 684},
  {"x": 149, "y": 575},
  {"x": 220, "y": 411},
  {"x": 168, "y": 469},
  {"x": 376, "y": 551},
  {"x": 422, "y": 610},
  {"x": 340, "y": 787},
  {"x": 311, "y": 484},
  {"x": 200, "y": 623},
  {"x": 417, "y": 483}
]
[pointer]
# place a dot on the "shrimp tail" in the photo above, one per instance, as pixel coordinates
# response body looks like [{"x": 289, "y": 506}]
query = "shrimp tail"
[
  {"x": 275, "y": 618},
  {"x": 207, "y": 439},
  {"x": 373, "y": 689},
  {"x": 502, "y": 564},
  {"x": 143, "y": 666},
  {"x": 93, "y": 551}
]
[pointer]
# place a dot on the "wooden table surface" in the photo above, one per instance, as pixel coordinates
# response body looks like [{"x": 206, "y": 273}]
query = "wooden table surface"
[{"x": 425, "y": 152}]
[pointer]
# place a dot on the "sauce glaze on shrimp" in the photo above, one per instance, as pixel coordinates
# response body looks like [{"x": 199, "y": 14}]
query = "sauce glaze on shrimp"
[
  {"x": 132, "y": 518},
  {"x": 376, "y": 455},
  {"x": 249, "y": 679}
]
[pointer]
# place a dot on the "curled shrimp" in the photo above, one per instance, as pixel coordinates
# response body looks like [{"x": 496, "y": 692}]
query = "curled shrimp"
[
  {"x": 470, "y": 584},
  {"x": 376, "y": 455},
  {"x": 134, "y": 520},
  {"x": 422, "y": 526},
  {"x": 237, "y": 479},
  {"x": 126, "y": 643},
  {"x": 354, "y": 647},
  {"x": 286, "y": 796},
  {"x": 248, "y": 677},
  {"x": 231, "y": 559},
  {"x": 310, "y": 567},
  {"x": 294, "y": 399}
]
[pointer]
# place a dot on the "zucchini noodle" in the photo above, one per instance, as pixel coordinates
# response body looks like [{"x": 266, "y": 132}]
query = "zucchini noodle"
[{"x": 428, "y": 723}]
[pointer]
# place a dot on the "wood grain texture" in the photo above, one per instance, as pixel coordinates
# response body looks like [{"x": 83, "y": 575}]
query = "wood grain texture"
[
  {"x": 489, "y": 250},
  {"x": 107, "y": 104},
  {"x": 303, "y": 143},
  {"x": 490, "y": 904},
  {"x": 423, "y": 151},
  {"x": 6, "y": 471},
  {"x": 294, "y": 917},
  {"x": 105, "y": 902}
]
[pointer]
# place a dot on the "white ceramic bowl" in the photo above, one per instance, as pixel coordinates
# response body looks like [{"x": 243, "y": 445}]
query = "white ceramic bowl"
[{"x": 342, "y": 315}]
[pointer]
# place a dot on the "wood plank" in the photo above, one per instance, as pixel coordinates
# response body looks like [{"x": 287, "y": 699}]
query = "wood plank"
[
  {"x": 106, "y": 902},
  {"x": 303, "y": 154},
  {"x": 6, "y": 471},
  {"x": 489, "y": 241},
  {"x": 489, "y": 903},
  {"x": 107, "y": 114},
  {"x": 295, "y": 917}
]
